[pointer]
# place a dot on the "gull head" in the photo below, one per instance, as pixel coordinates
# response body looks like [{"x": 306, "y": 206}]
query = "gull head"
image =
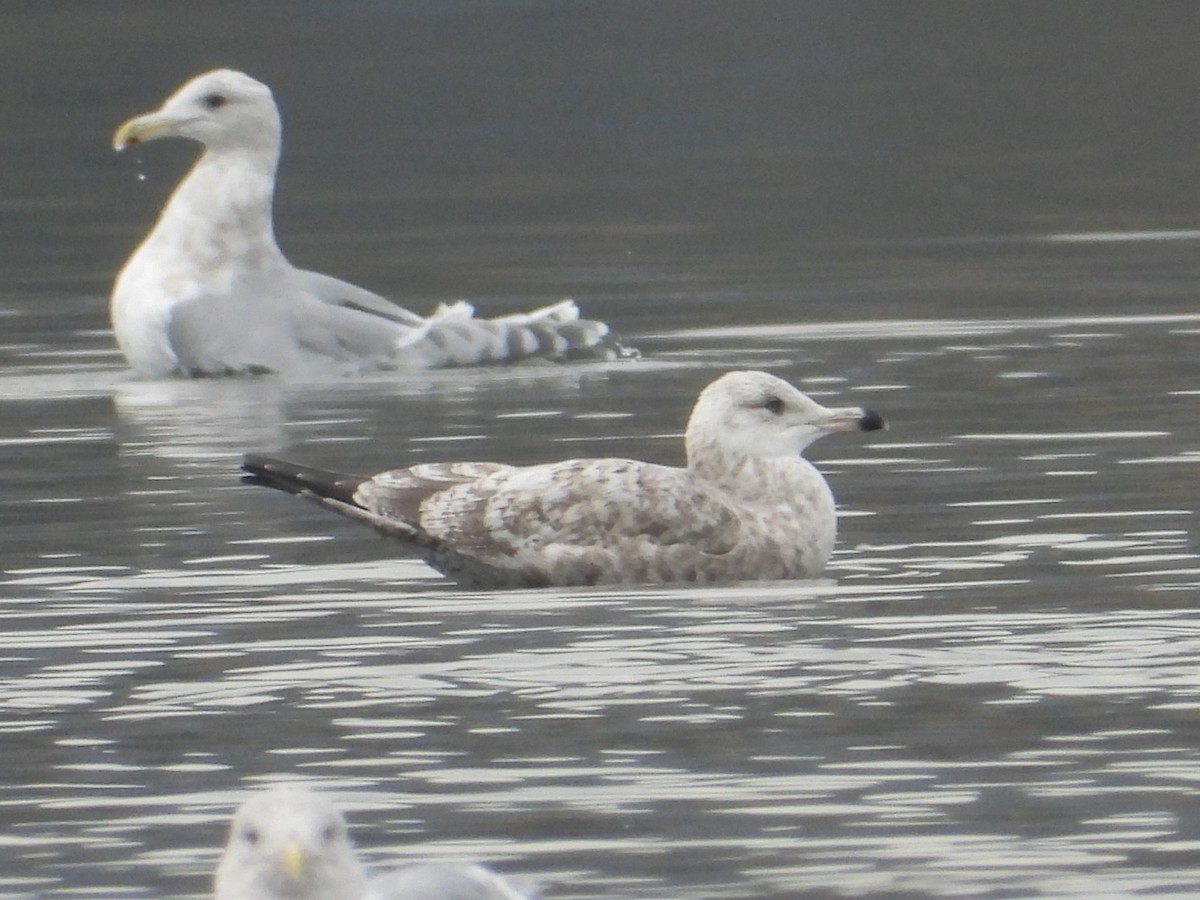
[
  {"x": 288, "y": 843},
  {"x": 748, "y": 415},
  {"x": 220, "y": 109}
]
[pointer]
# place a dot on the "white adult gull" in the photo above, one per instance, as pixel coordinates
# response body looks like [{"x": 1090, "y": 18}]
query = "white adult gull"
[
  {"x": 209, "y": 292},
  {"x": 747, "y": 505},
  {"x": 290, "y": 843}
]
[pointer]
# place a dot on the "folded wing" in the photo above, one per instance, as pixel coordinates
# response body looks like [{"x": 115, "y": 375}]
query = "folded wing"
[{"x": 578, "y": 521}]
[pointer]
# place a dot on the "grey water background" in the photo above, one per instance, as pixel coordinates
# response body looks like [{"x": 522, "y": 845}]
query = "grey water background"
[{"x": 979, "y": 218}]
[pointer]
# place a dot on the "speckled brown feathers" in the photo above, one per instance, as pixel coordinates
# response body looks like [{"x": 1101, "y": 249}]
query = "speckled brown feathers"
[{"x": 747, "y": 506}]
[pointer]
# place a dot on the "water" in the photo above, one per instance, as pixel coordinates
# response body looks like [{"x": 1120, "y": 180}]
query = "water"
[{"x": 994, "y": 692}]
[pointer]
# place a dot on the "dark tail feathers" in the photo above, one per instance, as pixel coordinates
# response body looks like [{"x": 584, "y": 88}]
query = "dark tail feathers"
[{"x": 294, "y": 478}]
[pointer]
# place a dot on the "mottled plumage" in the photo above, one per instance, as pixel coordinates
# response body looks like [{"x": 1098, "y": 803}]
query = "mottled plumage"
[
  {"x": 747, "y": 506},
  {"x": 209, "y": 292},
  {"x": 289, "y": 843}
]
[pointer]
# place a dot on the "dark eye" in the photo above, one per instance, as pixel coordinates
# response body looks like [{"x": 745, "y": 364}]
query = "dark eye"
[
  {"x": 328, "y": 833},
  {"x": 214, "y": 101},
  {"x": 251, "y": 836},
  {"x": 773, "y": 405}
]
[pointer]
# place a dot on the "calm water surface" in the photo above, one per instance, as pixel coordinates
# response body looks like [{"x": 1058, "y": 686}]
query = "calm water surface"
[{"x": 994, "y": 693}]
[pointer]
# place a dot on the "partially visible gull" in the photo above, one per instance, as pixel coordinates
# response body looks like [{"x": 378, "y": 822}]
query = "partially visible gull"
[
  {"x": 747, "y": 506},
  {"x": 290, "y": 843},
  {"x": 209, "y": 292}
]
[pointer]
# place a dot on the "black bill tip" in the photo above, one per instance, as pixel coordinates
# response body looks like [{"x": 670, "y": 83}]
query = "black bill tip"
[{"x": 871, "y": 421}]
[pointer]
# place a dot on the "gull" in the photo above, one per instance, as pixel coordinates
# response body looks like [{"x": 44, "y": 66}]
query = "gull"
[
  {"x": 290, "y": 843},
  {"x": 747, "y": 506},
  {"x": 209, "y": 292}
]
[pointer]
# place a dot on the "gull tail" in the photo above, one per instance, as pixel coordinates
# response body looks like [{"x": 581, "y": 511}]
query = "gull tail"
[
  {"x": 297, "y": 479},
  {"x": 336, "y": 491},
  {"x": 452, "y": 337}
]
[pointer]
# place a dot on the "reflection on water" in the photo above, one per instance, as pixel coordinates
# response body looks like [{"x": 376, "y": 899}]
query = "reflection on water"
[{"x": 993, "y": 693}]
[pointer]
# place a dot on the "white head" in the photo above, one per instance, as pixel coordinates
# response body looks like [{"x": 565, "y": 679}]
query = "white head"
[
  {"x": 754, "y": 415},
  {"x": 288, "y": 843},
  {"x": 221, "y": 109}
]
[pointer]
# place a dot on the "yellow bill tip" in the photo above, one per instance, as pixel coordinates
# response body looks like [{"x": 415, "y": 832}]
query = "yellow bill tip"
[
  {"x": 126, "y": 136},
  {"x": 140, "y": 129},
  {"x": 294, "y": 860}
]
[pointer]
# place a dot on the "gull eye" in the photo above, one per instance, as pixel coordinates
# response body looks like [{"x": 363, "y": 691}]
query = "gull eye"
[
  {"x": 329, "y": 833},
  {"x": 213, "y": 101},
  {"x": 773, "y": 405},
  {"x": 251, "y": 836}
]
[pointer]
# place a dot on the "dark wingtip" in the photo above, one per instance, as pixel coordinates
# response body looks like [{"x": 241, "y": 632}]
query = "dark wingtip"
[
  {"x": 257, "y": 471},
  {"x": 871, "y": 421},
  {"x": 256, "y": 465},
  {"x": 294, "y": 478}
]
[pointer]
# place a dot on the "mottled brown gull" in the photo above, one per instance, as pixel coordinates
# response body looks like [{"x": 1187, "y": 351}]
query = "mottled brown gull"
[
  {"x": 290, "y": 843},
  {"x": 747, "y": 506},
  {"x": 209, "y": 292}
]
